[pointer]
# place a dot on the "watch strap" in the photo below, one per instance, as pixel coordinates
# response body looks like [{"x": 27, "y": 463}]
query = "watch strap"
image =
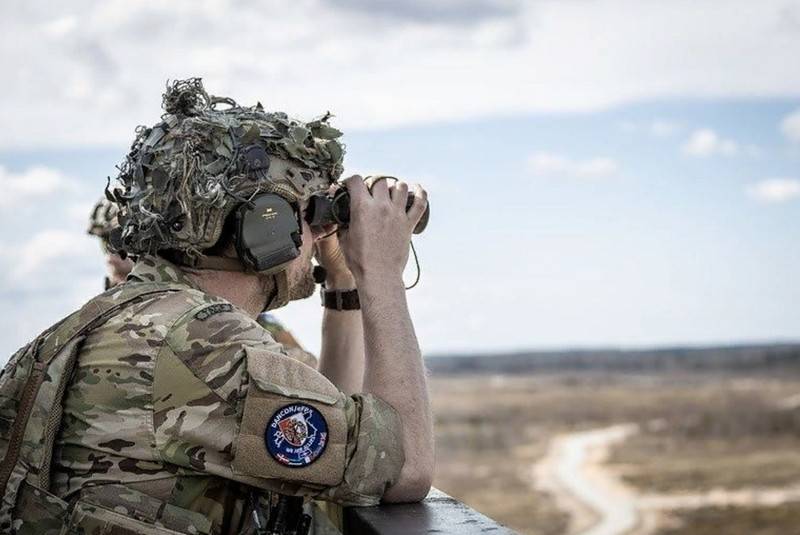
[{"x": 340, "y": 299}]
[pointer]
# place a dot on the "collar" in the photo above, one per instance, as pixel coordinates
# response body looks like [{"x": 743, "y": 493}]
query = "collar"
[{"x": 149, "y": 268}]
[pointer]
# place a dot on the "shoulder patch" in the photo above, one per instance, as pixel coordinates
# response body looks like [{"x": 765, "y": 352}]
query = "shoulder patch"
[
  {"x": 296, "y": 435},
  {"x": 212, "y": 310}
]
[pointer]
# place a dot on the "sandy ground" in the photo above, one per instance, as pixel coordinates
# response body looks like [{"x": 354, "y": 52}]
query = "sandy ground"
[
  {"x": 491, "y": 431},
  {"x": 574, "y": 471}
]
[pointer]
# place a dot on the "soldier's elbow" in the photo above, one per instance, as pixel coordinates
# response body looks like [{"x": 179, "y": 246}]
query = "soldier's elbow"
[
  {"x": 419, "y": 488},
  {"x": 413, "y": 486}
]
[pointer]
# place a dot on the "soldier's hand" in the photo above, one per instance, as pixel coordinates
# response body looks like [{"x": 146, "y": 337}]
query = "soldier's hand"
[
  {"x": 329, "y": 255},
  {"x": 376, "y": 244}
]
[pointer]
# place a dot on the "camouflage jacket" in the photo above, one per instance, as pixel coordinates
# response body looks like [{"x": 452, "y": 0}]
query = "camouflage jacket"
[{"x": 187, "y": 399}]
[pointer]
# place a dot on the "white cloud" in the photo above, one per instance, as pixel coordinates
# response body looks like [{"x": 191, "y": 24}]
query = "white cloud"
[
  {"x": 37, "y": 181},
  {"x": 48, "y": 265},
  {"x": 377, "y": 64},
  {"x": 60, "y": 27},
  {"x": 45, "y": 248},
  {"x": 663, "y": 128},
  {"x": 790, "y": 126},
  {"x": 753, "y": 151},
  {"x": 656, "y": 127},
  {"x": 545, "y": 163},
  {"x": 442, "y": 11},
  {"x": 706, "y": 142},
  {"x": 775, "y": 190},
  {"x": 597, "y": 167}
]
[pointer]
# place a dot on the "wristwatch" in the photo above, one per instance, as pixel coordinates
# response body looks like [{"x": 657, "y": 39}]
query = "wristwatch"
[{"x": 340, "y": 299}]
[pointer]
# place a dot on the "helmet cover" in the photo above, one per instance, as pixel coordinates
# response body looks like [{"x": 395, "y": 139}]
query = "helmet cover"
[{"x": 184, "y": 176}]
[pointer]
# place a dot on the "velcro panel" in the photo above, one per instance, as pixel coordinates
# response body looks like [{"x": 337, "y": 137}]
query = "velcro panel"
[{"x": 278, "y": 386}]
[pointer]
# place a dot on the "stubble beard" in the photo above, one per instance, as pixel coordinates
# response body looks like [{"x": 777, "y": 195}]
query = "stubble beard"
[{"x": 301, "y": 283}]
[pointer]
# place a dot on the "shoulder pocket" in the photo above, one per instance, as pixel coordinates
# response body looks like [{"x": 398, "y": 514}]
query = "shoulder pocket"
[
  {"x": 294, "y": 426},
  {"x": 282, "y": 375}
]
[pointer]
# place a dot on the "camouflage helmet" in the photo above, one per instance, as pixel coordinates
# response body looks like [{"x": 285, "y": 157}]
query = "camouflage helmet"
[
  {"x": 103, "y": 219},
  {"x": 184, "y": 176}
]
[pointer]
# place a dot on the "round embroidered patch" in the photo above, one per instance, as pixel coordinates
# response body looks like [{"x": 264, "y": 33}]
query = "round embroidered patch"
[{"x": 296, "y": 435}]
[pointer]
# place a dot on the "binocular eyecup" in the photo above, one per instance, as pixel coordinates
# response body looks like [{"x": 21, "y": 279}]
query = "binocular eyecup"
[{"x": 324, "y": 209}]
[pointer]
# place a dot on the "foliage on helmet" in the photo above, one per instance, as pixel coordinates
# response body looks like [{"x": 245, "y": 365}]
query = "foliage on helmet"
[
  {"x": 103, "y": 218},
  {"x": 183, "y": 176}
]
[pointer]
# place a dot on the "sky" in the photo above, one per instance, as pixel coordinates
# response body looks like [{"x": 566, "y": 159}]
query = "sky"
[{"x": 601, "y": 173}]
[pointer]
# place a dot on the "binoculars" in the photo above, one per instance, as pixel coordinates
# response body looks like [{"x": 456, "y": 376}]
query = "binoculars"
[{"x": 334, "y": 209}]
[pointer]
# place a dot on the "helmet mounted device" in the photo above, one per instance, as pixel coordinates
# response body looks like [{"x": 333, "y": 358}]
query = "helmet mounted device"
[{"x": 268, "y": 233}]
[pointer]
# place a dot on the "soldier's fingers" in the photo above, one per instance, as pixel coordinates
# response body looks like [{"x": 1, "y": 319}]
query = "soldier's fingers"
[
  {"x": 357, "y": 189},
  {"x": 380, "y": 190},
  {"x": 399, "y": 193},
  {"x": 323, "y": 233},
  {"x": 371, "y": 180},
  {"x": 420, "y": 202}
]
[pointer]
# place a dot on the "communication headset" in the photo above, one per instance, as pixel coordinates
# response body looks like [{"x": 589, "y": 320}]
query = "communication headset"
[{"x": 268, "y": 232}]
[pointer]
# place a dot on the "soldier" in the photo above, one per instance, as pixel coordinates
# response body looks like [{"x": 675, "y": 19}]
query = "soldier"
[
  {"x": 102, "y": 220},
  {"x": 182, "y": 413}
]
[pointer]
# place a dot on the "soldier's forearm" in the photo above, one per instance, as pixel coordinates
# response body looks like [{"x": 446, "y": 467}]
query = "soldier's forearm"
[
  {"x": 342, "y": 352},
  {"x": 395, "y": 372},
  {"x": 341, "y": 358}
]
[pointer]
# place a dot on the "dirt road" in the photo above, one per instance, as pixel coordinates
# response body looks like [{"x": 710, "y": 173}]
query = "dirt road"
[{"x": 573, "y": 471}]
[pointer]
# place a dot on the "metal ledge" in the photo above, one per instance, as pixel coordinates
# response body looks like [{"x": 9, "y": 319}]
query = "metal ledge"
[{"x": 438, "y": 513}]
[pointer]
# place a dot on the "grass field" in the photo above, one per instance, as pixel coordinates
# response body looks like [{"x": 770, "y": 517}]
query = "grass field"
[
  {"x": 485, "y": 450},
  {"x": 698, "y": 433},
  {"x": 778, "y": 520}
]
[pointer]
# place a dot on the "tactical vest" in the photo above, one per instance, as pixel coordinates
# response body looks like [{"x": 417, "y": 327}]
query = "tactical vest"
[{"x": 32, "y": 387}]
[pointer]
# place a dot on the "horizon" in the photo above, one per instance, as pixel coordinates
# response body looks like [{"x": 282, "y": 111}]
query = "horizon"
[
  {"x": 601, "y": 174},
  {"x": 733, "y": 345}
]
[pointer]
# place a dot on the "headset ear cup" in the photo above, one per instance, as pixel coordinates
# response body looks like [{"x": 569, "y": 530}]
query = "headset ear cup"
[{"x": 268, "y": 233}]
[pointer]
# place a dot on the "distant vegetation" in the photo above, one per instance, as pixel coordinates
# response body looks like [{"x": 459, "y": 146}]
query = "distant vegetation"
[
  {"x": 724, "y": 420},
  {"x": 750, "y": 358}
]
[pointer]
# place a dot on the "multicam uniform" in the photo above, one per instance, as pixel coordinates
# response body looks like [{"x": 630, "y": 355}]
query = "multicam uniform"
[
  {"x": 103, "y": 220},
  {"x": 175, "y": 395},
  {"x": 182, "y": 413}
]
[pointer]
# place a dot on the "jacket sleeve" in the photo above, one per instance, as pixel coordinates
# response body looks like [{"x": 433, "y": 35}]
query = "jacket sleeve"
[{"x": 227, "y": 401}]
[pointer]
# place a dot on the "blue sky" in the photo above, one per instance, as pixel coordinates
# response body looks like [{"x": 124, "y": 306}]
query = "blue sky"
[{"x": 629, "y": 194}]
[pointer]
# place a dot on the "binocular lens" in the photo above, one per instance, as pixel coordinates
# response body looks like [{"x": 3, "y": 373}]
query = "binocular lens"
[
  {"x": 335, "y": 210},
  {"x": 329, "y": 209}
]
